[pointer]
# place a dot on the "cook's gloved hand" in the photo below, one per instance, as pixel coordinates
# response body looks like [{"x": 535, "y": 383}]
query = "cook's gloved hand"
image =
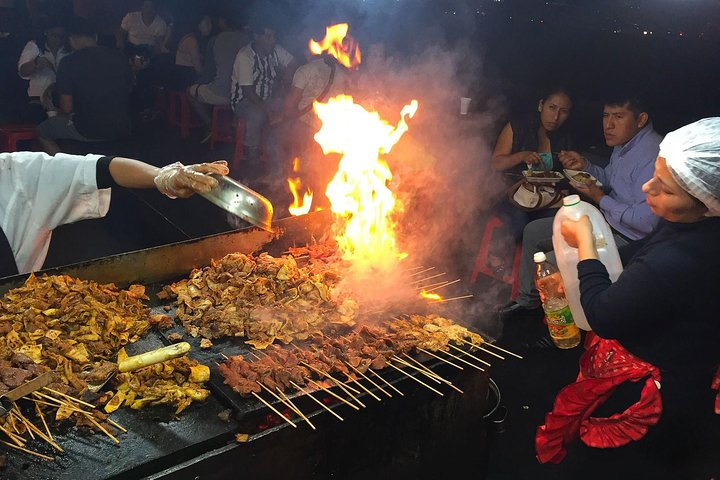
[{"x": 177, "y": 180}]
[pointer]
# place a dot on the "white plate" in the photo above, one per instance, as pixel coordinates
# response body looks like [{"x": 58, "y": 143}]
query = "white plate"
[
  {"x": 556, "y": 178},
  {"x": 571, "y": 173}
]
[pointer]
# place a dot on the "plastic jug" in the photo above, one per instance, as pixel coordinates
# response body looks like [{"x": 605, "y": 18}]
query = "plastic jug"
[{"x": 567, "y": 257}]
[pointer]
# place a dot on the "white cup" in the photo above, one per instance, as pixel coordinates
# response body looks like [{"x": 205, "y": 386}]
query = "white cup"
[{"x": 464, "y": 105}]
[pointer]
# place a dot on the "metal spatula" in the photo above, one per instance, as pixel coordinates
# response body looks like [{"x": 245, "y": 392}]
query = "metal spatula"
[{"x": 234, "y": 197}]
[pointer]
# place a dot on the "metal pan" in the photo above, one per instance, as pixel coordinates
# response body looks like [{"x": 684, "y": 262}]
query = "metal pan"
[{"x": 236, "y": 198}]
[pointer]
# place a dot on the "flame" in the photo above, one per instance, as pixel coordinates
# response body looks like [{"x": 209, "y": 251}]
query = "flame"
[
  {"x": 430, "y": 296},
  {"x": 296, "y": 208},
  {"x": 338, "y": 44},
  {"x": 359, "y": 193}
]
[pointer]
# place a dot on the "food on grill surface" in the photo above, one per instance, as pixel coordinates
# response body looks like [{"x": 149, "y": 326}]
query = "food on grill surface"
[
  {"x": 71, "y": 326},
  {"x": 542, "y": 174},
  {"x": 366, "y": 348},
  {"x": 177, "y": 382},
  {"x": 261, "y": 298}
]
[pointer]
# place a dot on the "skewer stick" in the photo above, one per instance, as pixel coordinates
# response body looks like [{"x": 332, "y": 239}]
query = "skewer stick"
[
  {"x": 464, "y": 361},
  {"x": 414, "y": 268},
  {"x": 296, "y": 408},
  {"x": 340, "y": 384},
  {"x": 416, "y": 379},
  {"x": 69, "y": 397},
  {"x": 42, "y": 418},
  {"x": 475, "y": 345},
  {"x": 287, "y": 403},
  {"x": 421, "y": 271},
  {"x": 27, "y": 428},
  {"x": 445, "y": 300},
  {"x": 52, "y": 459},
  {"x": 274, "y": 409},
  {"x": 315, "y": 399},
  {"x": 15, "y": 438},
  {"x": 32, "y": 428},
  {"x": 440, "y": 358},
  {"x": 501, "y": 349},
  {"x": 428, "y": 278},
  {"x": 225, "y": 356},
  {"x": 116, "y": 425},
  {"x": 386, "y": 382},
  {"x": 333, "y": 394},
  {"x": 103, "y": 429},
  {"x": 414, "y": 367},
  {"x": 437, "y": 286},
  {"x": 447, "y": 382},
  {"x": 470, "y": 355},
  {"x": 13, "y": 424},
  {"x": 366, "y": 390},
  {"x": 369, "y": 380}
]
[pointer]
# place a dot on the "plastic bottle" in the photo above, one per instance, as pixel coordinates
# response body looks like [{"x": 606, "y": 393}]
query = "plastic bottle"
[
  {"x": 567, "y": 257},
  {"x": 563, "y": 331}
]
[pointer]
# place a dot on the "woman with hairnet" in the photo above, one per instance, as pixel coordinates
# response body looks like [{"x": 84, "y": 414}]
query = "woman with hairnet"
[
  {"x": 656, "y": 330},
  {"x": 39, "y": 192}
]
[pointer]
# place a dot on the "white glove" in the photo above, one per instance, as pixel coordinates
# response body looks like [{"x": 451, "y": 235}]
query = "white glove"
[{"x": 177, "y": 180}]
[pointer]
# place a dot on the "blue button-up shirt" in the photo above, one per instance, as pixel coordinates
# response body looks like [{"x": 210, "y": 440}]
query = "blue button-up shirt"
[{"x": 631, "y": 165}]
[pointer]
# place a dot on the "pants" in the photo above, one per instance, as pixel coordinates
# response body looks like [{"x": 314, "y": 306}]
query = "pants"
[
  {"x": 60, "y": 127},
  {"x": 537, "y": 237},
  {"x": 255, "y": 120}
]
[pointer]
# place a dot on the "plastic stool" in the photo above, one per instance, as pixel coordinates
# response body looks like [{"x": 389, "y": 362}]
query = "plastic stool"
[
  {"x": 180, "y": 114},
  {"x": 481, "y": 260},
  {"x": 221, "y": 129},
  {"x": 12, "y": 134}
]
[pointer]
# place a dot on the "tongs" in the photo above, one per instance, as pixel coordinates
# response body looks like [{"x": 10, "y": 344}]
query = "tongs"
[
  {"x": 7, "y": 400},
  {"x": 146, "y": 359},
  {"x": 242, "y": 201}
]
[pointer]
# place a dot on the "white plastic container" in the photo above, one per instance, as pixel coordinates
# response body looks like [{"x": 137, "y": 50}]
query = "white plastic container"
[{"x": 567, "y": 257}]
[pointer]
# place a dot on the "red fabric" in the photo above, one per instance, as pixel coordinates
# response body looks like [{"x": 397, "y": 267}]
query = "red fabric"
[
  {"x": 716, "y": 386},
  {"x": 604, "y": 366}
]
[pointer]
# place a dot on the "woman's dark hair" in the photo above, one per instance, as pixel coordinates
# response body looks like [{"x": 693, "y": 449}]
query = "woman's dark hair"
[{"x": 557, "y": 90}]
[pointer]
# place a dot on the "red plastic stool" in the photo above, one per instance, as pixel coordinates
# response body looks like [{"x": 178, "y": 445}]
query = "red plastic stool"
[
  {"x": 180, "y": 114},
  {"x": 481, "y": 260},
  {"x": 222, "y": 123},
  {"x": 10, "y": 135}
]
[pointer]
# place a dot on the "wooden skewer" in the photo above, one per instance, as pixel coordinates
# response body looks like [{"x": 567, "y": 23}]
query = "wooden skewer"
[
  {"x": 414, "y": 367},
  {"x": 274, "y": 409},
  {"x": 445, "y": 300},
  {"x": 60, "y": 403},
  {"x": 366, "y": 390},
  {"x": 32, "y": 428},
  {"x": 369, "y": 380},
  {"x": 501, "y": 349},
  {"x": 469, "y": 355},
  {"x": 447, "y": 382},
  {"x": 440, "y": 358},
  {"x": 340, "y": 384},
  {"x": 103, "y": 429},
  {"x": 414, "y": 268},
  {"x": 416, "y": 379},
  {"x": 42, "y": 418},
  {"x": 288, "y": 403},
  {"x": 69, "y": 397},
  {"x": 27, "y": 451},
  {"x": 464, "y": 361},
  {"x": 15, "y": 438},
  {"x": 333, "y": 394},
  {"x": 386, "y": 382},
  {"x": 428, "y": 278},
  {"x": 475, "y": 345},
  {"x": 225, "y": 356},
  {"x": 421, "y": 271},
  {"x": 296, "y": 408},
  {"x": 116, "y": 425},
  {"x": 13, "y": 424},
  {"x": 316, "y": 400},
  {"x": 27, "y": 428}
]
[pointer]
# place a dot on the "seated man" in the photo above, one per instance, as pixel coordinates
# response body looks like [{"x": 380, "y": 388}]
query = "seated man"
[
  {"x": 258, "y": 66},
  {"x": 142, "y": 32},
  {"x": 93, "y": 85},
  {"x": 221, "y": 52},
  {"x": 627, "y": 128}
]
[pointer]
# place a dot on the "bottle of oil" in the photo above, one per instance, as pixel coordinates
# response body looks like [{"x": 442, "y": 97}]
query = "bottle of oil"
[{"x": 563, "y": 331}]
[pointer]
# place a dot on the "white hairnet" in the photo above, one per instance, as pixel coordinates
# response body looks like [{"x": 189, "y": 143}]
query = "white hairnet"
[{"x": 692, "y": 154}]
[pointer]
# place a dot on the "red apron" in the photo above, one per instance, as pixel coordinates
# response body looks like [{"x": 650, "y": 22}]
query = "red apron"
[{"x": 604, "y": 366}]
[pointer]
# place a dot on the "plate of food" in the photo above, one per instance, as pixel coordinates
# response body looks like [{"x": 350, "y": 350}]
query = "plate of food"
[
  {"x": 542, "y": 176},
  {"x": 580, "y": 177}
]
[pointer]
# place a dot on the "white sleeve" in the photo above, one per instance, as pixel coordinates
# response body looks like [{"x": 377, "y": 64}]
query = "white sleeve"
[
  {"x": 40, "y": 193},
  {"x": 29, "y": 53},
  {"x": 284, "y": 57},
  {"x": 126, "y": 21},
  {"x": 243, "y": 69},
  {"x": 300, "y": 79}
]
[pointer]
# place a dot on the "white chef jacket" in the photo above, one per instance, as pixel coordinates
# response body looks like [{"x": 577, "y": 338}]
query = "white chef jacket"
[{"x": 38, "y": 193}]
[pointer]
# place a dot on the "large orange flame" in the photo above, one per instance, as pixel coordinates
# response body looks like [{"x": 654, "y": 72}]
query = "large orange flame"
[
  {"x": 298, "y": 208},
  {"x": 338, "y": 44},
  {"x": 430, "y": 295},
  {"x": 359, "y": 193}
]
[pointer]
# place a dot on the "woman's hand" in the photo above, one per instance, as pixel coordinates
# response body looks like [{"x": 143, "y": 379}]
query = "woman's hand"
[
  {"x": 531, "y": 158},
  {"x": 572, "y": 160},
  {"x": 579, "y": 234}
]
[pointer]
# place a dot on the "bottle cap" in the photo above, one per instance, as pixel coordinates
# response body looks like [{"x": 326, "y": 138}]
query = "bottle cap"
[
  {"x": 571, "y": 200},
  {"x": 539, "y": 257}
]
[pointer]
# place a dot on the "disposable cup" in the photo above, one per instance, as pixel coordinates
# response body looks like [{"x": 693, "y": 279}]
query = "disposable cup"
[{"x": 464, "y": 105}]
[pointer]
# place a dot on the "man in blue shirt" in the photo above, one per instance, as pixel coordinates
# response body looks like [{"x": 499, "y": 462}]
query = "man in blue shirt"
[{"x": 627, "y": 128}]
